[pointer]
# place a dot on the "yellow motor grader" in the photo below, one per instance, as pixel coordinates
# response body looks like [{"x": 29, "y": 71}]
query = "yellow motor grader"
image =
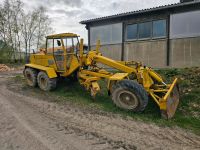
[{"x": 130, "y": 87}]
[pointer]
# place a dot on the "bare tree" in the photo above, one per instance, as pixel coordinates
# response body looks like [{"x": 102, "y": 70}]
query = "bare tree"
[
  {"x": 22, "y": 30},
  {"x": 35, "y": 26},
  {"x": 29, "y": 25},
  {"x": 17, "y": 14},
  {"x": 43, "y": 27}
]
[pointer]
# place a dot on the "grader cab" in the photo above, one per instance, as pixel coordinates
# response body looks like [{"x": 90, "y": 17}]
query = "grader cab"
[{"x": 130, "y": 87}]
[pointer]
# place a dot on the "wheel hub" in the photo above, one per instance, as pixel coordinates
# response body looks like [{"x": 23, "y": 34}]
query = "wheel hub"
[{"x": 128, "y": 99}]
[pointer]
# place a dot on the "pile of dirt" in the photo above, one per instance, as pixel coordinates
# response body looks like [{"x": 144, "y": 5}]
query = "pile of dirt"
[{"x": 3, "y": 67}]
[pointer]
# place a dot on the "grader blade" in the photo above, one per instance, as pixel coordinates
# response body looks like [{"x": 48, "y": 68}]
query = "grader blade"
[{"x": 172, "y": 101}]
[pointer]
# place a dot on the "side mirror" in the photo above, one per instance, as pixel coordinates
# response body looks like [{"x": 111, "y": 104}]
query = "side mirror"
[{"x": 58, "y": 43}]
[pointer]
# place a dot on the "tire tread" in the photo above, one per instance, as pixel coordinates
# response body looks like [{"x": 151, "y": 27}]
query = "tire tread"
[
  {"x": 33, "y": 73},
  {"x": 132, "y": 86},
  {"x": 52, "y": 82}
]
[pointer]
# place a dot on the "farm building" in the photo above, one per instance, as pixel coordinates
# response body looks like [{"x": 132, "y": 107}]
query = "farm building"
[{"x": 165, "y": 36}]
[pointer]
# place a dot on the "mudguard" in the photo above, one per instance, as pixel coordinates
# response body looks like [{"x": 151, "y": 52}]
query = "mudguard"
[{"x": 50, "y": 71}]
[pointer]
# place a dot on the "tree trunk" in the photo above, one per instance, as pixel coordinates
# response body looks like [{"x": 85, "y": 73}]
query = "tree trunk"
[{"x": 26, "y": 51}]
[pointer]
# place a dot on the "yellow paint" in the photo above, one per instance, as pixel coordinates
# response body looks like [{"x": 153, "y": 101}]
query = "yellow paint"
[
  {"x": 170, "y": 89},
  {"x": 74, "y": 64},
  {"x": 95, "y": 88},
  {"x": 50, "y": 71},
  {"x": 147, "y": 80},
  {"x": 98, "y": 46},
  {"x": 112, "y": 63},
  {"x": 154, "y": 98},
  {"x": 118, "y": 76},
  {"x": 81, "y": 52},
  {"x": 95, "y": 74},
  {"x": 43, "y": 60},
  {"x": 154, "y": 75},
  {"x": 62, "y": 35},
  {"x": 65, "y": 54}
]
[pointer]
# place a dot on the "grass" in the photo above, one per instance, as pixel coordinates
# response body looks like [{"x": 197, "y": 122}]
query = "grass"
[{"x": 187, "y": 115}]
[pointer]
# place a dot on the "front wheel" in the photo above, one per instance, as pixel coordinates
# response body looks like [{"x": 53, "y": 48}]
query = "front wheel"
[
  {"x": 129, "y": 95},
  {"x": 45, "y": 83}
]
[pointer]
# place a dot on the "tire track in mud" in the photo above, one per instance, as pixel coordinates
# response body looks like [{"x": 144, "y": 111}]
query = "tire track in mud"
[
  {"x": 95, "y": 130},
  {"x": 48, "y": 131},
  {"x": 82, "y": 120}
]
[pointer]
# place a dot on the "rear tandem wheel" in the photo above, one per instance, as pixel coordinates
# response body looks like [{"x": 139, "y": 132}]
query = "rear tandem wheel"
[
  {"x": 45, "y": 83},
  {"x": 30, "y": 75}
]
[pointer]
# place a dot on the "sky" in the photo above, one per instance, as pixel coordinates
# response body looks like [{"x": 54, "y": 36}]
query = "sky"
[{"x": 65, "y": 15}]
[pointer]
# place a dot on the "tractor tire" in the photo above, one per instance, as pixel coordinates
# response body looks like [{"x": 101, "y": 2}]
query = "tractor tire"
[
  {"x": 30, "y": 75},
  {"x": 129, "y": 95},
  {"x": 45, "y": 83}
]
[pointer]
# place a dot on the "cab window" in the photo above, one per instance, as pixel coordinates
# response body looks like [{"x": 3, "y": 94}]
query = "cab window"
[{"x": 49, "y": 46}]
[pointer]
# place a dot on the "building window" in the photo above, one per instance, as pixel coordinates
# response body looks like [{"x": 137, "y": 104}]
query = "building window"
[
  {"x": 132, "y": 31},
  {"x": 107, "y": 34},
  {"x": 183, "y": 25},
  {"x": 159, "y": 28},
  {"x": 144, "y": 30},
  {"x": 49, "y": 46},
  {"x": 116, "y": 35}
]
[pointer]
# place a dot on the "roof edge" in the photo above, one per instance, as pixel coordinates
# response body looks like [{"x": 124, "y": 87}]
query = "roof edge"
[{"x": 138, "y": 12}]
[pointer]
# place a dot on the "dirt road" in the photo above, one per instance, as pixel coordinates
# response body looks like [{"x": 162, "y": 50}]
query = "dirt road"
[{"x": 30, "y": 123}]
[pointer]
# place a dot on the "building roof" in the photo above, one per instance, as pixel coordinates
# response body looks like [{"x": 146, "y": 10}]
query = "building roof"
[{"x": 140, "y": 11}]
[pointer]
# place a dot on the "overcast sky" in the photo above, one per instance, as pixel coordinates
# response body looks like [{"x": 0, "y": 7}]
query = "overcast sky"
[{"x": 66, "y": 14}]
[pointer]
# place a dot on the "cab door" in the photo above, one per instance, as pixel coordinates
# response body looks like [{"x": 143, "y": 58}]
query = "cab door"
[{"x": 58, "y": 52}]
